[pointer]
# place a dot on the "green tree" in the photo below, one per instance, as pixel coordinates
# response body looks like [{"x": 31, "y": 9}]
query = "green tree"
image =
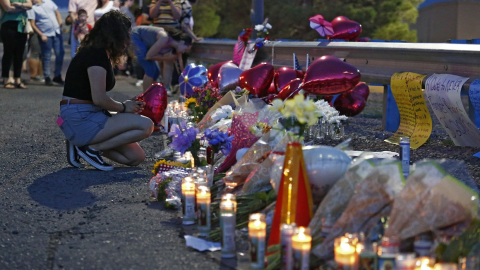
[{"x": 206, "y": 18}]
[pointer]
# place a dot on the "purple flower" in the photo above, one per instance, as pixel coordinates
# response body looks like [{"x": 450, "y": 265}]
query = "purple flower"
[
  {"x": 219, "y": 140},
  {"x": 182, "y": 137}
]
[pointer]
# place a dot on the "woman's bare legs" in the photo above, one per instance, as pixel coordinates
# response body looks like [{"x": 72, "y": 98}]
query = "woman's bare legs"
[
  {"x": 118, "y": 139},
  {"x": 147, "y": 81}
]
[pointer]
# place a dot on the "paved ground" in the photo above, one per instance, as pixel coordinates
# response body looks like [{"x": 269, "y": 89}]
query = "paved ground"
[{"x": 53, "y": 216}]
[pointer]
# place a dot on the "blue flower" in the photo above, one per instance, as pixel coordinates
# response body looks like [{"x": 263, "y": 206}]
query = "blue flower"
[
  {"x": 182, "y": 137},
  {"x": 219, "y": 140}
]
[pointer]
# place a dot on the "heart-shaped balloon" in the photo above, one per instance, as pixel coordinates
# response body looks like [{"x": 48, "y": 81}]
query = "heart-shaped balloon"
[
  {"x": 228, "y": 77},
  {"x": 329, "y": 75},
  {"x": 328, "y": 98},
  {"x": 192, "y": 76},
  {"x": 284, "y": 75},
  {"x": 155, "y": 98},
  {"x": 257, "y": 79},
  {"x": 272, "y": 89},
  {"x": 213, "y": 72},
  {"x": 361, "y": 89},
  {"x": 344, "y": 28},
  {"x": 349, "y": 104},
  {"x": 290, "y": 90}
]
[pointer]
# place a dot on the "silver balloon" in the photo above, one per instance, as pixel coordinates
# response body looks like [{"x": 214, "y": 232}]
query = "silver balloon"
[
  {"x": 228, "y": 77},
  {"x": 325, "y": 165}
]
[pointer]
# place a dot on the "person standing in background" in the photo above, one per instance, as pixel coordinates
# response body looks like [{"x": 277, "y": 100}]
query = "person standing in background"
[
  {"x": 125, "y": 6},
  {"x": 14, "y": 20},
  {"x": 104, "y": 6},
  {"x": 186, "y": 20},
  {"x": 47, "y": 23},
  {"x": 166, "y": 13},
  {"x": 73, "y": 7},
  {"x": 34, "y": 57}
]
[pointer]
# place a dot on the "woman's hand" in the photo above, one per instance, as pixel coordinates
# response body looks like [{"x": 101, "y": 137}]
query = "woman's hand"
[{"x": 133, "y": 106}]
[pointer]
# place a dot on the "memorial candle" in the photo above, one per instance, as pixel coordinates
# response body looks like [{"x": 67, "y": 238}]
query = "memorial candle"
[
  {"x": 185, "y": 180},
  {"x": 228, "y": 221},
  {"x": 405, "y": 261},
  {"x": 445, "y": 266},
  {"x": 301, "y": 244},
  {"x": 203, "y": 206},
  {"x": 424, "y": 263},
  {"x": 257, "y": 231},
  {"x": 345, "y": 252},
  {"x": 287, "y": 231},
  {"x": 188, "y": 189}
]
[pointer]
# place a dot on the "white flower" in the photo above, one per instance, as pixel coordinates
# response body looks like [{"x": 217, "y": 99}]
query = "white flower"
[
  {"x": 225, "y": 111},
  {"x": 268, "y": 26},
  {"x": 259, "y": 27}
]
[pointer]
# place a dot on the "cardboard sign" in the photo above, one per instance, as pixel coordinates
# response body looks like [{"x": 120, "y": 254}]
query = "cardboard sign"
[
  {"x": 415, "y": 119},
  {"x": 443, "y": 93}
]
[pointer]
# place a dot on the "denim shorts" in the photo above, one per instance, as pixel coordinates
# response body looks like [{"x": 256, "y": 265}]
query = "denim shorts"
[
  {"x": 151, "y": 67},
  {"x": 81, "y": 122}
]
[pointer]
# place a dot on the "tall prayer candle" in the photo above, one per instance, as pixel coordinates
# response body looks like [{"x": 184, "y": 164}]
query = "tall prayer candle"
[
  {"x": 301, "y": 244},
  {"x": 445, "y": 266},
  {"x": 286, "y": 233},
  {"x": 203, "y": 206},
  {"x": 185, "y": 180},
  {"x": 424, "y": 263},
  {"x": 189, "y": 206},
  {"x": 228, "y": 221},
  {"x": 257, "y": 231},
  {"x": 405, "y": 261}
]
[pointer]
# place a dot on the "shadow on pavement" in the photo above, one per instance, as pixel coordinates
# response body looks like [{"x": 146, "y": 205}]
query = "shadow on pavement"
[{"x": 67, "y": 189}]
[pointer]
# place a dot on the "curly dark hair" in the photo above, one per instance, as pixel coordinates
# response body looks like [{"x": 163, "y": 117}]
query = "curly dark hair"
[{"x": 112, "y": 33}]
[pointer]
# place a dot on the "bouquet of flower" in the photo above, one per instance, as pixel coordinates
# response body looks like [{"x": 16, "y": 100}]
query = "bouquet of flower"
[
  {"x": 184, "y": 139},
  {"x": 223, "y": 112},
  {"x": 299, "y": 112},
  {"x": 202, "y": 99},
  {"x": 329, "y": 113},
  {"x": 219, "y": 141},
  {"x": 262, "y": 34}
]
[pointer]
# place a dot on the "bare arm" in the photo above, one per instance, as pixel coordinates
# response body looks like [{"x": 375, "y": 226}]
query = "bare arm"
[
  {"x": 186, "y": 28},
  {"x": 154, "y": 10},
  {"x": 73, "y": 15},
  {"x": 98, "y": 83},
  {"x": 59, "y": 17},
  {"x": 13, "y": 8},
  {"x": 176, "y": 11},
  {"x": 162, "y": 40},
  {"x": 145, "y": 20},
  {"x": 35, "y": 28}
]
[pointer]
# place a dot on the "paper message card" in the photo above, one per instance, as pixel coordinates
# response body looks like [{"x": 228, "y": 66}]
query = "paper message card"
[
  {"x": 474, "y": 94},
  {"x": 443, "y": 93},
  {"x": 415, "y": 119},
  {"x": 248, "y": 56}
]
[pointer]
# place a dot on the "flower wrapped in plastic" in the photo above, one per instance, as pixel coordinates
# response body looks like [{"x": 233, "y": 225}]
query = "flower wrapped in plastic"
[
  {"x": 185, "y": 138},
  {"x": 228, "y": 99},
  {"x": 219, "y": 141},
  {"x": 166, "y": 186},
  {"x": 205, "y": 97}
]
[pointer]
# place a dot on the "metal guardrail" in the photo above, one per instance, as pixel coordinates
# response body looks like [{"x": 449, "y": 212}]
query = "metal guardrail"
[{"x": 377, "y": 61}]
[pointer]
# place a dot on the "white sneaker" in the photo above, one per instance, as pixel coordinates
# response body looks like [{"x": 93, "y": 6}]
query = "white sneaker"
[
  {"x": 139, "y": 83},
  {"x": 169, "y": 93}
]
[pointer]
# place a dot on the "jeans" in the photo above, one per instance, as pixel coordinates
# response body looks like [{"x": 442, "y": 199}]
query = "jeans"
[{"x": 55, "y": 43}]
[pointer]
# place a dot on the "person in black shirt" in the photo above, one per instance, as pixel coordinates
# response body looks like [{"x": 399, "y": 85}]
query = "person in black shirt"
[{"x": 85, "y": 119}]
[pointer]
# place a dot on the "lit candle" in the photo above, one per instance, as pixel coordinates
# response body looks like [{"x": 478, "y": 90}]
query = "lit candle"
[
  {"x": 189, "y": 193},
  {"x": 203, "y": 212},
  {"x": 424, "y": 263},
  {"x": 287, "y": 231},
  {"x": 257, "y": 231},
  {"x": 405, "y": 261},
  {"x": 345, "y": 252},
  {"x": 301, "y": 244},
  {"x": 445, "y": 266},
  {"x": 185, "y": 180},
  {"x": 228, "y": 221}
]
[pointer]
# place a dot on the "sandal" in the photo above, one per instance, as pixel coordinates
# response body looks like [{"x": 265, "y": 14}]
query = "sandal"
[
  {"x": 8, "y": 86},
  {"x": 20, "y": 86}
]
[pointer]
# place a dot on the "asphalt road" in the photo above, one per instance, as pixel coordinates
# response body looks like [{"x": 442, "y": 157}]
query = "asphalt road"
[{"x": 53, "y": 216}]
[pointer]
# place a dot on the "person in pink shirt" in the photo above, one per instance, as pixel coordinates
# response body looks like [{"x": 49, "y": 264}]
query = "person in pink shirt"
[{"x": 73, "y": 7}]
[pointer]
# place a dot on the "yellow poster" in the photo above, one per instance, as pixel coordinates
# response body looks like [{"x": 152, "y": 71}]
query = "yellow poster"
[{"x": 415, "y": 119}]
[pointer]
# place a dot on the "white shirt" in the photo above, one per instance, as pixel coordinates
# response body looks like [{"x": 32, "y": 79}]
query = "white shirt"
[{"x": 100, "y": 11}]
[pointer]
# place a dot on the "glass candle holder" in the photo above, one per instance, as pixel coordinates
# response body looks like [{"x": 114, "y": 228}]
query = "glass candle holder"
[
  {"x": 257, "y": 231},
  {"x": 301, "y": 245},
  {"x": 203, "y": 210},
  {"x": 188, "y": 190},
  {"x": 287, "y": 231},
  {"x": 228, "y": 222},
  {"x": 405, "y": 261},
  {"x": 445, "y": 266},
  {"x": 424, "y": 263},
  {"x": 345, "y": 252},
  {"x": 185, "y": 180},
  {"x": 337, "y": 131}
]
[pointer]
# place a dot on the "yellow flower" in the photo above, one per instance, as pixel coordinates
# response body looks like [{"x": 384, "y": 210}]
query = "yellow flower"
[
  {"x": 277, "y": 105},
  {"x": 190, "y": 100},
  {"x": 170, "y": 163}
]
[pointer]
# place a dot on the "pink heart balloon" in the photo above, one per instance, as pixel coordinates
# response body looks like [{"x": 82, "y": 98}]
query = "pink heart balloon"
[
  {"x": 344, "y": 28},
  {"x": 284, "y": 75},
  {"x": 213, "y": 72},
  {"x": 228, "y": 77},
  {"x": 349, "y": 104},
  {"x": 290, "y": 90},
  {"x": 329, "y": 75},
  {"x": 272, "y": 89},
  {"x": 361, "y": 89},
  {"x": 155, "y": 98},
  {"x": 257, "y": 79}
]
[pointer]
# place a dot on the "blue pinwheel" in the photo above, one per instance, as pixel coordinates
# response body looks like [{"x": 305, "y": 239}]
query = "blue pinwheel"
[{"x": 192, "y": 76}]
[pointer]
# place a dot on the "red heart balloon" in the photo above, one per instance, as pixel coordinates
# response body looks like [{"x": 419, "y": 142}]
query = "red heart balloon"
[
  {"x": 328, "y": 98},
  {"x": 289, "y": 90},
  {"x": 213, "y": 72},
  {"x": 272, "y": 89},
  {"x": 361, "y": 89},
  {"x": 284, "y": 75},
  {"x": 300, "y": 74},
  {"x": 344, "y": 28},
  {"x": 155, "y": 98},
  {"x": 257, "y": 79},
  {"x": 349, "y": 104},
  {"x": 329, "y": 75}
]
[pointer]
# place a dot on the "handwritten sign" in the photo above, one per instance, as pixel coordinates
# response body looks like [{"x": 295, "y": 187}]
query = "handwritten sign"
[
  {"x": 247, "y": 59},
  {"x": 474, "y": 95},
  {"x": 415, "y": 119},
  {"x": 443, "y": 93}
]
